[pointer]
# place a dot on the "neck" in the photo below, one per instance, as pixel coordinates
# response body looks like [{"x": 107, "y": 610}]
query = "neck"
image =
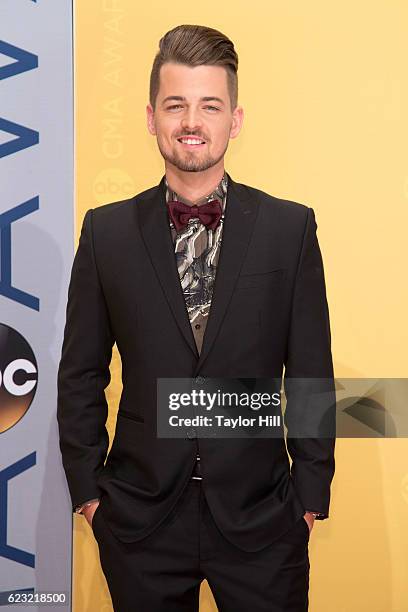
[{"x": 194, "y": 185}]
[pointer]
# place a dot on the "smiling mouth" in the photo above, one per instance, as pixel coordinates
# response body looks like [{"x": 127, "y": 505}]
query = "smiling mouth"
[{"x": 191, "y": 142}]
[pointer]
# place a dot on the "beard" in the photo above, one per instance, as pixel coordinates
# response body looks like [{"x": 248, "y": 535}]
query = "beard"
[{"x": 190, "y": 162}]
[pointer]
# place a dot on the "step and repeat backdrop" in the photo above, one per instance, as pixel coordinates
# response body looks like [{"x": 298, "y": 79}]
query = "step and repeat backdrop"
[
  {"x": 324, "y": 92},
  {"x": 37, "y": 244}
]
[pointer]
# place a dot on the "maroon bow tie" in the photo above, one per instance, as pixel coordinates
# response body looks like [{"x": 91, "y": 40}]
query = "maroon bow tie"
[{"x": 209, "y": 213}]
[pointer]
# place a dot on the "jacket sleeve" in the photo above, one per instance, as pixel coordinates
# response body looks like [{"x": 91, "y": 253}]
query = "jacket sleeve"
[
  {"x": 83, "y": 374},
  {"x": 310, "y": 415}
]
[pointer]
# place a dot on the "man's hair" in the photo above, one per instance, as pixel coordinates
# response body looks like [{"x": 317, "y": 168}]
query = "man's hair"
[{"x": 194, "y": 45}]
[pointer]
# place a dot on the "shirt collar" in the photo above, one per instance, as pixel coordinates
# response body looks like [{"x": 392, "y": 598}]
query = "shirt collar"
[{"x": 218, "y": 193}]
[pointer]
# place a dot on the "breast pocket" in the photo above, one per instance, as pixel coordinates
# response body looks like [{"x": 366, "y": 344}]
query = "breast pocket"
[{"x": 260, "y": 279}]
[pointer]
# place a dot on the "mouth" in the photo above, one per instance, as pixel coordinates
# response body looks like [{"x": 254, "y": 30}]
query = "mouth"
[{"x": 191, "y": 142}]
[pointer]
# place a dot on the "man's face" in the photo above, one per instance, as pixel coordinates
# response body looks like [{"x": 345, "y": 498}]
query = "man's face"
[{"x": 193, "y": 102}]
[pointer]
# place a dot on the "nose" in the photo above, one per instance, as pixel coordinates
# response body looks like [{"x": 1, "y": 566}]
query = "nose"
[{"x": 191, "y": 120}]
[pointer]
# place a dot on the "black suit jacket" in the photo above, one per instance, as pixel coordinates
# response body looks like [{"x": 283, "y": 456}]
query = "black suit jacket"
[{"x": 269, "y": 311}]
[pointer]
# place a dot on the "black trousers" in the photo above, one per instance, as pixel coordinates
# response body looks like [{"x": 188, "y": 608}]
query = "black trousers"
[{"x": 163, "y": 572}]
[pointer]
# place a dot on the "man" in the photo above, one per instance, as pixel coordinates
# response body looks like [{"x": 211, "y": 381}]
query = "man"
[{"x": 199, "y": 277}]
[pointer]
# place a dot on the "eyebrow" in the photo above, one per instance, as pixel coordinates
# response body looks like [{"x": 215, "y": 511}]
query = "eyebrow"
[{"x": 183, "y": 99}]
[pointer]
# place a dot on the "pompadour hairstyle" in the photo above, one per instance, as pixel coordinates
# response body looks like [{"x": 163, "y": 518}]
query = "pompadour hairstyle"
[{"x": 195, "y": 45}]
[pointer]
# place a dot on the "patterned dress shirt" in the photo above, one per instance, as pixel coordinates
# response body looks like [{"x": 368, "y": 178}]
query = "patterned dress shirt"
[{"x": 197, "y": 251}]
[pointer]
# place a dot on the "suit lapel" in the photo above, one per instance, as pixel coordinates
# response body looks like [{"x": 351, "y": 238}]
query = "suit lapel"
[
  {"x": 154, "y": 226},
  {"x": 239, "y": 222}
]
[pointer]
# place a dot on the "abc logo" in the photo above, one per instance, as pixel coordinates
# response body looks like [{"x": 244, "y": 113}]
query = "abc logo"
[
  {"x": 113, "y": 183},
  {"x": 18, "y": 376}
]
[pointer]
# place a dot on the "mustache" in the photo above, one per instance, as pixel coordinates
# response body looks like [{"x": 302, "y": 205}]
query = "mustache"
[{"x": 192, "y": 135}]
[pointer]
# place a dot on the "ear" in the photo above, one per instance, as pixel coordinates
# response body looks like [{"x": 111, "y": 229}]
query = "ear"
[
  {"x": 150, "y": 119},
  {"x": 237, "y": 121}
]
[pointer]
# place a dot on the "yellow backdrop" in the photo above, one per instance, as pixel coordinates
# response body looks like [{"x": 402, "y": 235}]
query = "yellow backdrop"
[{"x": 324, "y": 90}]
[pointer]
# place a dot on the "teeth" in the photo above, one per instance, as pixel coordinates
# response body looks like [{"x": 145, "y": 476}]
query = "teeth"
[{"x": 190, "y": 141}]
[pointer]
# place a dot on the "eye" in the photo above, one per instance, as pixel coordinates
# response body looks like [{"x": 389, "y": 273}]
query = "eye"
[{"x": 175, "y": 106}]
